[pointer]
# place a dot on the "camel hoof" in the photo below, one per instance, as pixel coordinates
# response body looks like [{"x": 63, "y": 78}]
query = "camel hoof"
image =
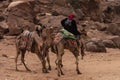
[
  {"x": 78, "y": 72},
  {"x": 82, "y": 58},
  {"x": 55, "y": 68},
  {"x": 62, "y": 74},
  {"x": 58, "y": 75},
  {"x": 28, "y": 70},
  {"x": 17, "y": 70},
  {"x": 45, "y": 71},
  {"x": 61, "y": 65},
  {"x": 49, "y": 68}
]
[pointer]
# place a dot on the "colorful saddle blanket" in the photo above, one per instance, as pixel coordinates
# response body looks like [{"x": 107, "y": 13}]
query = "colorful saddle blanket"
[
  {"x": 25, "y": 40},
  {"x": 63, "y": 34}
]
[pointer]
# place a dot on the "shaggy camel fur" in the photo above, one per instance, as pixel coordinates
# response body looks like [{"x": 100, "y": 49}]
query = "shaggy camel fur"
[
  {"x": 48, "y": 36},
  {"x": 35, "y": 48}
]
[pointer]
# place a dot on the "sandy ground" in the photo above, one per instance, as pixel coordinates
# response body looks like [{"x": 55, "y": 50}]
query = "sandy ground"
[{"x": 95, "y": 66}]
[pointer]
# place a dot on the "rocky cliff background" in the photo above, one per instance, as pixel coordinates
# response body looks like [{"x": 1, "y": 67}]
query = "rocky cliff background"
[{"x": 101, "y": 16}]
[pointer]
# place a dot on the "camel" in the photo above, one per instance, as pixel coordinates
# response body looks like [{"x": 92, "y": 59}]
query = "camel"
[
  {"x": 35, "y": 48},
  {"x": 48, "y": 41}
]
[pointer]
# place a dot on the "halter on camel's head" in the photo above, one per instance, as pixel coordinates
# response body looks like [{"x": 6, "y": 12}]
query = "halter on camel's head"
[{"x": 39, "y": 28}]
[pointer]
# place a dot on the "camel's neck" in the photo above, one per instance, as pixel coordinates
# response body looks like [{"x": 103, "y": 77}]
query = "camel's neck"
[{"x": 37, "y": 38}]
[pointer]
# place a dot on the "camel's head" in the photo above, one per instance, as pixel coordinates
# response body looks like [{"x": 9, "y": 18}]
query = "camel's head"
[{"x": 39, "y": 29}]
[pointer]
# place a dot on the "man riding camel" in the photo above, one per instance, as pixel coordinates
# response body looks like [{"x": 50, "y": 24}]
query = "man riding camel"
[{"x": 69, "y": 24}]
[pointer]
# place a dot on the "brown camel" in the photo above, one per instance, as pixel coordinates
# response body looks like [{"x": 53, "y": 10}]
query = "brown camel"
[
  {"x": 48, "y": 35},
  {"x": 35, "y": 48}
]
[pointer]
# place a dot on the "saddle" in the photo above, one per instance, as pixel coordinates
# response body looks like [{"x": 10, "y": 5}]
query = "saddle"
[
  {"x": 67, "y": 34},
  {"x": 64, "y": 34},
  {"x": 25, "y": 40}
]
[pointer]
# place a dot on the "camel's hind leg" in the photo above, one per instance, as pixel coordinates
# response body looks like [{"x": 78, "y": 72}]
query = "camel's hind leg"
[
  {"x": 22, "y": 59},
  {"x": 16, "y": 58}
]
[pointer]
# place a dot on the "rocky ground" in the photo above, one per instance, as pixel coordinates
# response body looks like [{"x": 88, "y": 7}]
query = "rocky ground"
[{"x": 95, "y": 66}]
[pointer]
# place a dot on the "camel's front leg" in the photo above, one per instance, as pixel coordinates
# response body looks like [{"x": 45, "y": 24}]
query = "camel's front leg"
[
  {"x": 76, "y": 54},
  {"x": 77, "y": 65}
]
